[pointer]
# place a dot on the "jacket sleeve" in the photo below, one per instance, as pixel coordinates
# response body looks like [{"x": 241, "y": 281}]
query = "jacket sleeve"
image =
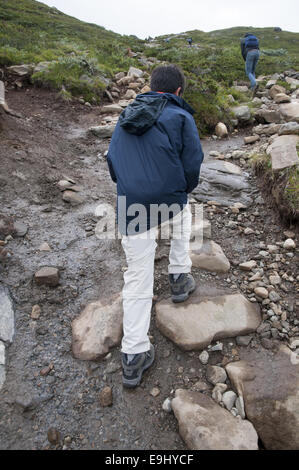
[
  {"x": 243, "y": 49},
  {"x": 192, "y": 154},
  {"x": 111, "y": 170},
  {"x": 111, "y": 152}
]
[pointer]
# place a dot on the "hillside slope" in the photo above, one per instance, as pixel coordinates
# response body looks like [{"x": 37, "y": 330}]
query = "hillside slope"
[{"x": 83, "y": 55}]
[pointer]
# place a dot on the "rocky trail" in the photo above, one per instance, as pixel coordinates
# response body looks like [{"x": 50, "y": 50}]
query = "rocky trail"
[{"x": 228, "y": 355}]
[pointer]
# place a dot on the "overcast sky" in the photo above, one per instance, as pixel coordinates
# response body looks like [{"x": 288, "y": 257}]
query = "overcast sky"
[{"x": 158, "y": 17}]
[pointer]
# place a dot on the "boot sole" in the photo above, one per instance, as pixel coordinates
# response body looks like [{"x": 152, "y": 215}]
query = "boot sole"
[{"x": 135, "y": 382}]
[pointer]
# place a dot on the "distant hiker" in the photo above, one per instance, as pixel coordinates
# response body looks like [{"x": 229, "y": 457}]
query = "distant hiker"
[
  {"x": 154, "y": 157},
  {"x": 250, "y": 52},
  {"x": 189, "y": 40}
]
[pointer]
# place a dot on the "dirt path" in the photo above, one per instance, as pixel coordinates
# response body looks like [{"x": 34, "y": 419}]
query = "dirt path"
[{"x": 36, "y": 153}]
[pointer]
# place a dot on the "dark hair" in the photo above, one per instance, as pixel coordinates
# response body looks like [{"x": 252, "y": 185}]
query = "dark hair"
[{"x": 167, "y": 78}]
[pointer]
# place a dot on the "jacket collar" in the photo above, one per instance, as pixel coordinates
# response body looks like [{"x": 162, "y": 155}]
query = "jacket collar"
[{"x": 172, "y": 98}]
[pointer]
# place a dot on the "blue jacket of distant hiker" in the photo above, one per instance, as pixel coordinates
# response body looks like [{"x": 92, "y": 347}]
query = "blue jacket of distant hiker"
[{"x": 155, "y": 154}]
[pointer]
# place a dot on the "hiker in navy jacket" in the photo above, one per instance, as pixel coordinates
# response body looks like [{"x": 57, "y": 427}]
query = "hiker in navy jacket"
[
  {"x": 250, "y": 53},
  {"x": 154, "y": 157}
]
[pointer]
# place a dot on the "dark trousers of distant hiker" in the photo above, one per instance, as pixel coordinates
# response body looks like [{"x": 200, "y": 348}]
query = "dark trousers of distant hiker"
[{"x": 250, "y": 65}]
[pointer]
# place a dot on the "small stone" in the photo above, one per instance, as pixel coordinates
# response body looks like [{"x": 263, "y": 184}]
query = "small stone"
[
  {"x": 36, "y": 311},
  {"x": 155, "y": 392},
  {"x": 275, "y": 280},
  {"x": 273, "y": 296},
  {"x": 20, "y": 229},
  {"x": 201, "y": 386},
  {"x": 106, "y": 397},
  {"x": 44, "y": 247},
  {"x": 48, "y": 276},
  {"x": 72, "y": 197},
  {"x": 289, "y": 244},
  {"x": 166, "y": 406},
  {"x": 216, "y": 374},
  {"x": 64, "y": 184},
  {"x": 221, "y": 130},
  {"x": 53, "y": 436},
  {"x": 217, "y": 392},
  {"x": 229, "y": 399},
  {"x": 261, "y": 292},
  {"x": 251, "y": 139},
  {"x": 243, "y": 340},
  {"x": 248, "y": 265},
  {"x": 217, "y": 347},
  {"x": 204, "y": 357},
  {"x": 248, "y": 231},
  {"x": 47, "y": 370},
  {"x": 240, "y": 406}
]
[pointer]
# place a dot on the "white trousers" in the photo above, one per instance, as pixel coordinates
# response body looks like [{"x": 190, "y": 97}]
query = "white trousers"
[{"x": 139, "y": 278}]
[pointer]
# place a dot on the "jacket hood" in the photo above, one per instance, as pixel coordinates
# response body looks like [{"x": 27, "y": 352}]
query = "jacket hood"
[{"x": 142, "y": 114}]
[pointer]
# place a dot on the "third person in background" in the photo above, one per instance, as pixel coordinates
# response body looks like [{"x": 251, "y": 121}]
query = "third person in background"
[{"x": 251, "y": 53}]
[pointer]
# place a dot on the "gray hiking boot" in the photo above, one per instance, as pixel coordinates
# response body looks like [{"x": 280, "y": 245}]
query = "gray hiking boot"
[
  {"x": 133, "y": 370},
  {"x": 182, "y": 287}
]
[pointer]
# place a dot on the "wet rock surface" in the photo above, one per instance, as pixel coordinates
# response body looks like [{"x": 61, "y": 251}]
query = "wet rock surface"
[{"x": 200, "y": 320}]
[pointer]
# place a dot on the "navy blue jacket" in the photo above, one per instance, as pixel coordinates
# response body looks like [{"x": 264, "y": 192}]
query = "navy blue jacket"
[
  {"x": 155, "y": 153},
  {"x": 244, "y": 49}
]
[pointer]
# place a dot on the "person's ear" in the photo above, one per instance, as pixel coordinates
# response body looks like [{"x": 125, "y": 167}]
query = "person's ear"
[{"x": 178, "y": 91}]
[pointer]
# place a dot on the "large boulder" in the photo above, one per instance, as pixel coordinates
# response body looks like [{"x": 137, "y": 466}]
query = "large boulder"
[
  {"x": 24, "y": 70},
  {"x": 201, "y": 319},
  {"x": 289, "y": 128},
  {"x": 270, "y": 389},
  {"x": 283, "y": 152},
  {"x": 242, "y": 113},
  {"x": 98, "y": 328},
  {"x": 134, "y": 72},
  {"x": 204, "y": 425},
  {"x": 282, "y": 98},
  {"x": 223, "y": 182},
  {"x": 268, "y": 115},
  {"x": 275, "y": 90},
  {"x": 290, "y": 111},
  {"x": 267, "y": 129}
]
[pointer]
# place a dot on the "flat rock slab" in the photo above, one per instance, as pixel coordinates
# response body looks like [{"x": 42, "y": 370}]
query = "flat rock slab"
[
  {"x": 97, "y": 329},
  {"x": 102, "y": 132},
  {"x": 290, "y": 111},
  {"x": 209, "y": 257},
  {"x": 204, "y": 425},
  {"x": 283, "y": 152},
  {"x": 225, "y": 167},
  {"x": 270, "y": 389},
  {"x": 197, "y": 322},
  {"x": 7, "y": 327},
  {"x": 223, "y": 182}
]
